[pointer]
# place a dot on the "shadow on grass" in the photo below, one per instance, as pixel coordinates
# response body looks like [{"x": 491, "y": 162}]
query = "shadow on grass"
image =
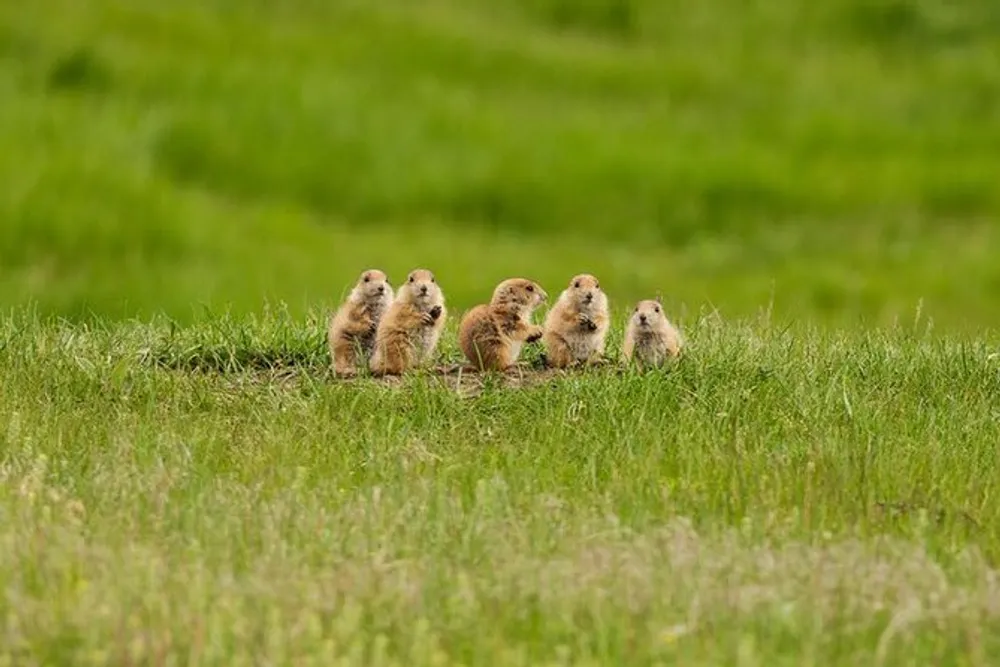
[
  {"x": 921, "y": 26},
  {"x": 612, "y": 18},
  {"x": 284, "y": 363},
  {"x": 221, "y": 359},
  {"x": 81, "y": 70},
  {"x": 224, "y": 344}
]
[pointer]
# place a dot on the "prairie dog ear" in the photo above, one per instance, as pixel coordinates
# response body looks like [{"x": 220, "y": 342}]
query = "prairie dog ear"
[{"x": 659, "y": 299}]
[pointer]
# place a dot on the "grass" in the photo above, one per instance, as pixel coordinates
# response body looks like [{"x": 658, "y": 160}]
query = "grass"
[
  {"x": 781, "y": 495},
  {"x": 810, "y": 186},
  {"x": 231, "y": 154}
]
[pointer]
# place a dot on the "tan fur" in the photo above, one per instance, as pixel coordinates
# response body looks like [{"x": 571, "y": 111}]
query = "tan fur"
[
  {"x": 410, "y": 330},
  {"x": 351, "y": 334},
  {"x": 576, "y": 328},
  {"x": 650, "y": 338},
  {"x": 491, "y": 335}
]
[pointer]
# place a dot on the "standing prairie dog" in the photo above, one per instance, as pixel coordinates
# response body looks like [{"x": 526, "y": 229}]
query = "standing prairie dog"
[
  {"x": 491, "y": 335},
  {"x": 650, "y": 338},
  {"x": 577, "y": 326},
  {"x": 351, "y": 335},
  {"x": 411, "y": 328}
]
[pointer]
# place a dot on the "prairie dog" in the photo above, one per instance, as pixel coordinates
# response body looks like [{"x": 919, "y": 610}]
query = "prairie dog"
[
  {"x": 577, "y": 326},
  {"x": 650, "y": 338},
  {"x": 411, "y": 328},
  {"x": 351, "y": 334},
  {"x": 491, "y": 335}
]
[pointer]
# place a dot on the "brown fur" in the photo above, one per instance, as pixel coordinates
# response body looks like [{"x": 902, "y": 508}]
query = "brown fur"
[
  {"x": 351, "y": 334},
  {"x": 410, "y": 330},
  {"x": 650, "y": 338},
  {"x": 491, "y": 335},
  {"x": 576, "y": 328}
]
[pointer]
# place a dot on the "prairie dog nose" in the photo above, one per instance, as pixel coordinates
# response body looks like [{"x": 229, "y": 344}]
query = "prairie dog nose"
[
  {"x": 642, "y": 318},
  {"x": 589, "y": 296},
  {"x": 423, "y": 289},
  {"x": 381, "y": 289}
]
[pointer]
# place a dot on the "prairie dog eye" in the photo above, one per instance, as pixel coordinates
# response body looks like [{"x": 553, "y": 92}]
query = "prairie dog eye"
[
  {"x": 657, "y": 309},
  {"x": 577, "y": 284},
  {"x": 597, "y": 285},
  {"x": 411, "y": 279},
  {"x": 433, "y": 280},
  {"x": 531, "y": 288},
  {"x": 367, "y": 279}
]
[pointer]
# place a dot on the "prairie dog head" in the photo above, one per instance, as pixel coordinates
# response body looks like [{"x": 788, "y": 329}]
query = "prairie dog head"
[
  {"x": 421, "y": 289},
  {"x": 373, "y": 287},
  {"x": 525, "y": 294},
  {"x": 649, "y": 316},
  {"x": 584, "y": 292}
]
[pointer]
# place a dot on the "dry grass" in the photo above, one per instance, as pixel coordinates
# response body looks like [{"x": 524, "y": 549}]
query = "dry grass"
[{"x": 364, "y": 577}]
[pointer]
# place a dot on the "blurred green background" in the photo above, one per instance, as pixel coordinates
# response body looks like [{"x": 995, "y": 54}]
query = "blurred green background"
[{"x": 835, "y": 161}]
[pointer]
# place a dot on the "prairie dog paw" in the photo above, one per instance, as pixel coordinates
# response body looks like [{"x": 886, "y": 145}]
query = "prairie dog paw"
[{"x": 432, "y": 316}]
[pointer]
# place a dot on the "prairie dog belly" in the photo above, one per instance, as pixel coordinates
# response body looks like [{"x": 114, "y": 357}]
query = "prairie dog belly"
[
  {"x": 582, "y": 345},
  {"x": 651, "y": 348},
  {"x": 425, "y": 341}
]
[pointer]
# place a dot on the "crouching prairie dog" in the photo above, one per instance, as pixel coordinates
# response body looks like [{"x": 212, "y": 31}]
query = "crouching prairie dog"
[
  {"x": 491, "y": 335},
  {"x": 351, "y": 334},
  {"x": 577, "y": 326},
  {"x": 650, "y": 338},
  {"x": 409, "y": 331}
]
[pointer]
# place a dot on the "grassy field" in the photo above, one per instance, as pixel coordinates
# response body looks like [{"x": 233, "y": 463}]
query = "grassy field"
[
  {"x": 187, "y": 188},
  {"x": 780, "y": 497},
  {"x": 838, "y": 161}
]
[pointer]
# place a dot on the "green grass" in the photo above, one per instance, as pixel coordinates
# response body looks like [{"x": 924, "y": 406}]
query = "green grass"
[
  {"x": 811, "y": 186},
  {"x": 839, "y": 160},
  {"x": 782, "y": 495}
]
